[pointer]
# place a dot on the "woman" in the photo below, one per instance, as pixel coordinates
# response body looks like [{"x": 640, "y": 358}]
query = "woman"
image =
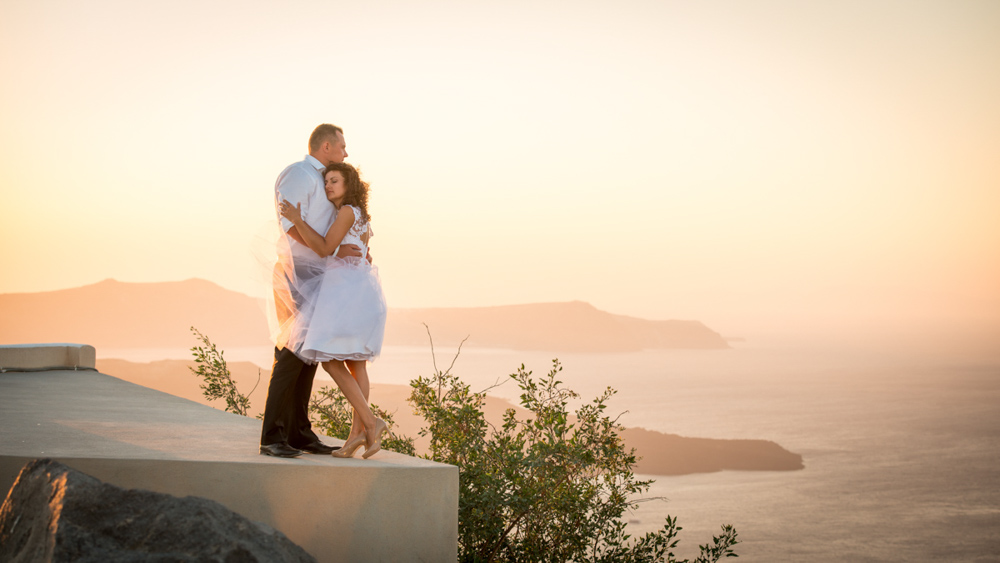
[{"x": 344, "y": 323}]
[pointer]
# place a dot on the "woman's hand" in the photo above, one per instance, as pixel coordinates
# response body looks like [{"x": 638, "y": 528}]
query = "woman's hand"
[{"x": 293, "y": 214}]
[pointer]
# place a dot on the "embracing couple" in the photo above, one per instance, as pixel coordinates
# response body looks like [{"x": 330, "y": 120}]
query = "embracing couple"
[{"x": 328, "y": 298}]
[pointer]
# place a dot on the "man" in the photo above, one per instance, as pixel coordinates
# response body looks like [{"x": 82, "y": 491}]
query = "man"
[{"x": 286, "y": 430}]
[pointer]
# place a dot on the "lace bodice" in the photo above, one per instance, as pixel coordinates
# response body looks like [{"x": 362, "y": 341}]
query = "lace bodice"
[{"x": 359, "y": 233}]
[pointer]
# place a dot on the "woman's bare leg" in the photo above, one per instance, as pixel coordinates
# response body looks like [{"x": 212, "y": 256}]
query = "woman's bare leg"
[
  {"x": 350, "y": 388},
  {"x": 357, "y": 426},
  {"x": 373, "y": 436}
]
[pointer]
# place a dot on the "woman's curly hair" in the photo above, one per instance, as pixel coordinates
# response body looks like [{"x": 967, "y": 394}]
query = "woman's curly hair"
[{"x": 356, "y": 188}]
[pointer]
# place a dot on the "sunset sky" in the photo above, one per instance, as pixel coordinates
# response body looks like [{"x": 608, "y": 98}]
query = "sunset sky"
[{"x": 746, "y": 164}]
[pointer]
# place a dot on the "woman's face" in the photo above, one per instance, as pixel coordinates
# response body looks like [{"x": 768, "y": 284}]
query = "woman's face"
[{"x": 336, "y": 188}]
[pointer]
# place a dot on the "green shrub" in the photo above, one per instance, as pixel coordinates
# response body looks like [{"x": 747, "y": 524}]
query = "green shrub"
[{"x": 551, "y": 487}]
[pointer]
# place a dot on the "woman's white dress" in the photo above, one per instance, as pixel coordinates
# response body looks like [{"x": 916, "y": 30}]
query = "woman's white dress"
[{"x": 344, "y": 310}]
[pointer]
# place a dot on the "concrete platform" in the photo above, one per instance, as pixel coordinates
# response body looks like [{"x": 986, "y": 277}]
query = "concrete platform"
[{"x": 390, "y": 507}]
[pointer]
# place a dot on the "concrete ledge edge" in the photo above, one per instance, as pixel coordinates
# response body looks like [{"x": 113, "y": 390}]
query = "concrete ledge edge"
[{"x": 53, "y": 356}]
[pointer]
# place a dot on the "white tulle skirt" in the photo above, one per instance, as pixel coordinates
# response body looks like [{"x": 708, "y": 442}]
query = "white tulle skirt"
[{"x": 341, "y": 314}]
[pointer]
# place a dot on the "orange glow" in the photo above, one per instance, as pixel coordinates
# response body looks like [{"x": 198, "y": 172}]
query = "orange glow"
[{"x": 830, "y": 167}]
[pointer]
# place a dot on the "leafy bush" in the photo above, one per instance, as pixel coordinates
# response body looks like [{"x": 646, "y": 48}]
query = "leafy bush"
[{"x": 551, "y": 487}]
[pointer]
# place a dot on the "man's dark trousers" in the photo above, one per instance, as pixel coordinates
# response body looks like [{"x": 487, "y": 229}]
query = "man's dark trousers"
[{"x": 286, "y": 415}]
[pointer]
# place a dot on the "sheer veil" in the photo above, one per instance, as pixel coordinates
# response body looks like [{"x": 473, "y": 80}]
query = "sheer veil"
[{"x": 289, "y": 287}]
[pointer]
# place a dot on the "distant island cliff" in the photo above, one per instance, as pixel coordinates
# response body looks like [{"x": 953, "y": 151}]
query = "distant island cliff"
[
  {"x": 560, "y": 327},
  {"x": 113, "y": 314}
]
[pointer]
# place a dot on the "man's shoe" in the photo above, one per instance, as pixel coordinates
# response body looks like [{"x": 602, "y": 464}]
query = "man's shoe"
[
  {"x": 318, "y": 447},
  {"x": 279, "y": 450}
]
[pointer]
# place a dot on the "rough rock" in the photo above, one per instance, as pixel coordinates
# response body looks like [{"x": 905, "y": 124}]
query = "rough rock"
[{"x": 54, "y": 513}]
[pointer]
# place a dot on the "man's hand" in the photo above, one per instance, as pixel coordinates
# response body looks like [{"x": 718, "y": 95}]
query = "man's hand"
[{"x": 349, "y": 250}]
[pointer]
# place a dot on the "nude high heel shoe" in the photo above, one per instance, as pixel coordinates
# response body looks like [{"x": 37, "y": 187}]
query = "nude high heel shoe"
[
  {"x": 349, "y": 447},
  {"x": 376, "y": 445}
]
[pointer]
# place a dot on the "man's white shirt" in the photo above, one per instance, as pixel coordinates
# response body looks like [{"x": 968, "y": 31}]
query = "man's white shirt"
[{"x": 303, "y": 183}]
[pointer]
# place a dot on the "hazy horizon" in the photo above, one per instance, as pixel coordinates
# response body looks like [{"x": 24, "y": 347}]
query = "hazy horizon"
[{"x": 97, "y": 312}]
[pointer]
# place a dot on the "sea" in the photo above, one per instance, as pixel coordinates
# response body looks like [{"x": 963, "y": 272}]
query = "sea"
[{"x": 901, "y": 445}]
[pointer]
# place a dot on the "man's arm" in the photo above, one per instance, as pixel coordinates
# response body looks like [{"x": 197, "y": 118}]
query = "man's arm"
[
  {"x": 345, "y": 250},
  {"x": 293, "y": 186}
]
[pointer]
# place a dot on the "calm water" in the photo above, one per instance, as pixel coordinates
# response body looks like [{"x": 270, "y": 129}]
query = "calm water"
[{"x": 901, "y": 451}]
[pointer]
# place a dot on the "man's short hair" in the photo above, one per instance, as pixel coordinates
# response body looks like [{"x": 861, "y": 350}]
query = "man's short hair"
[{"x": 321, "y": 134}]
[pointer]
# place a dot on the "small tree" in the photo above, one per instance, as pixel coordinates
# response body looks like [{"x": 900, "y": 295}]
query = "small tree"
[
  {"x": 547, "y": 488},
  {"x": 218, "y": 382}
]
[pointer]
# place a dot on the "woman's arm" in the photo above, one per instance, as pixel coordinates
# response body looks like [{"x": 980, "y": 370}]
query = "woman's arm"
[{"x": 324, "y": 246}]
